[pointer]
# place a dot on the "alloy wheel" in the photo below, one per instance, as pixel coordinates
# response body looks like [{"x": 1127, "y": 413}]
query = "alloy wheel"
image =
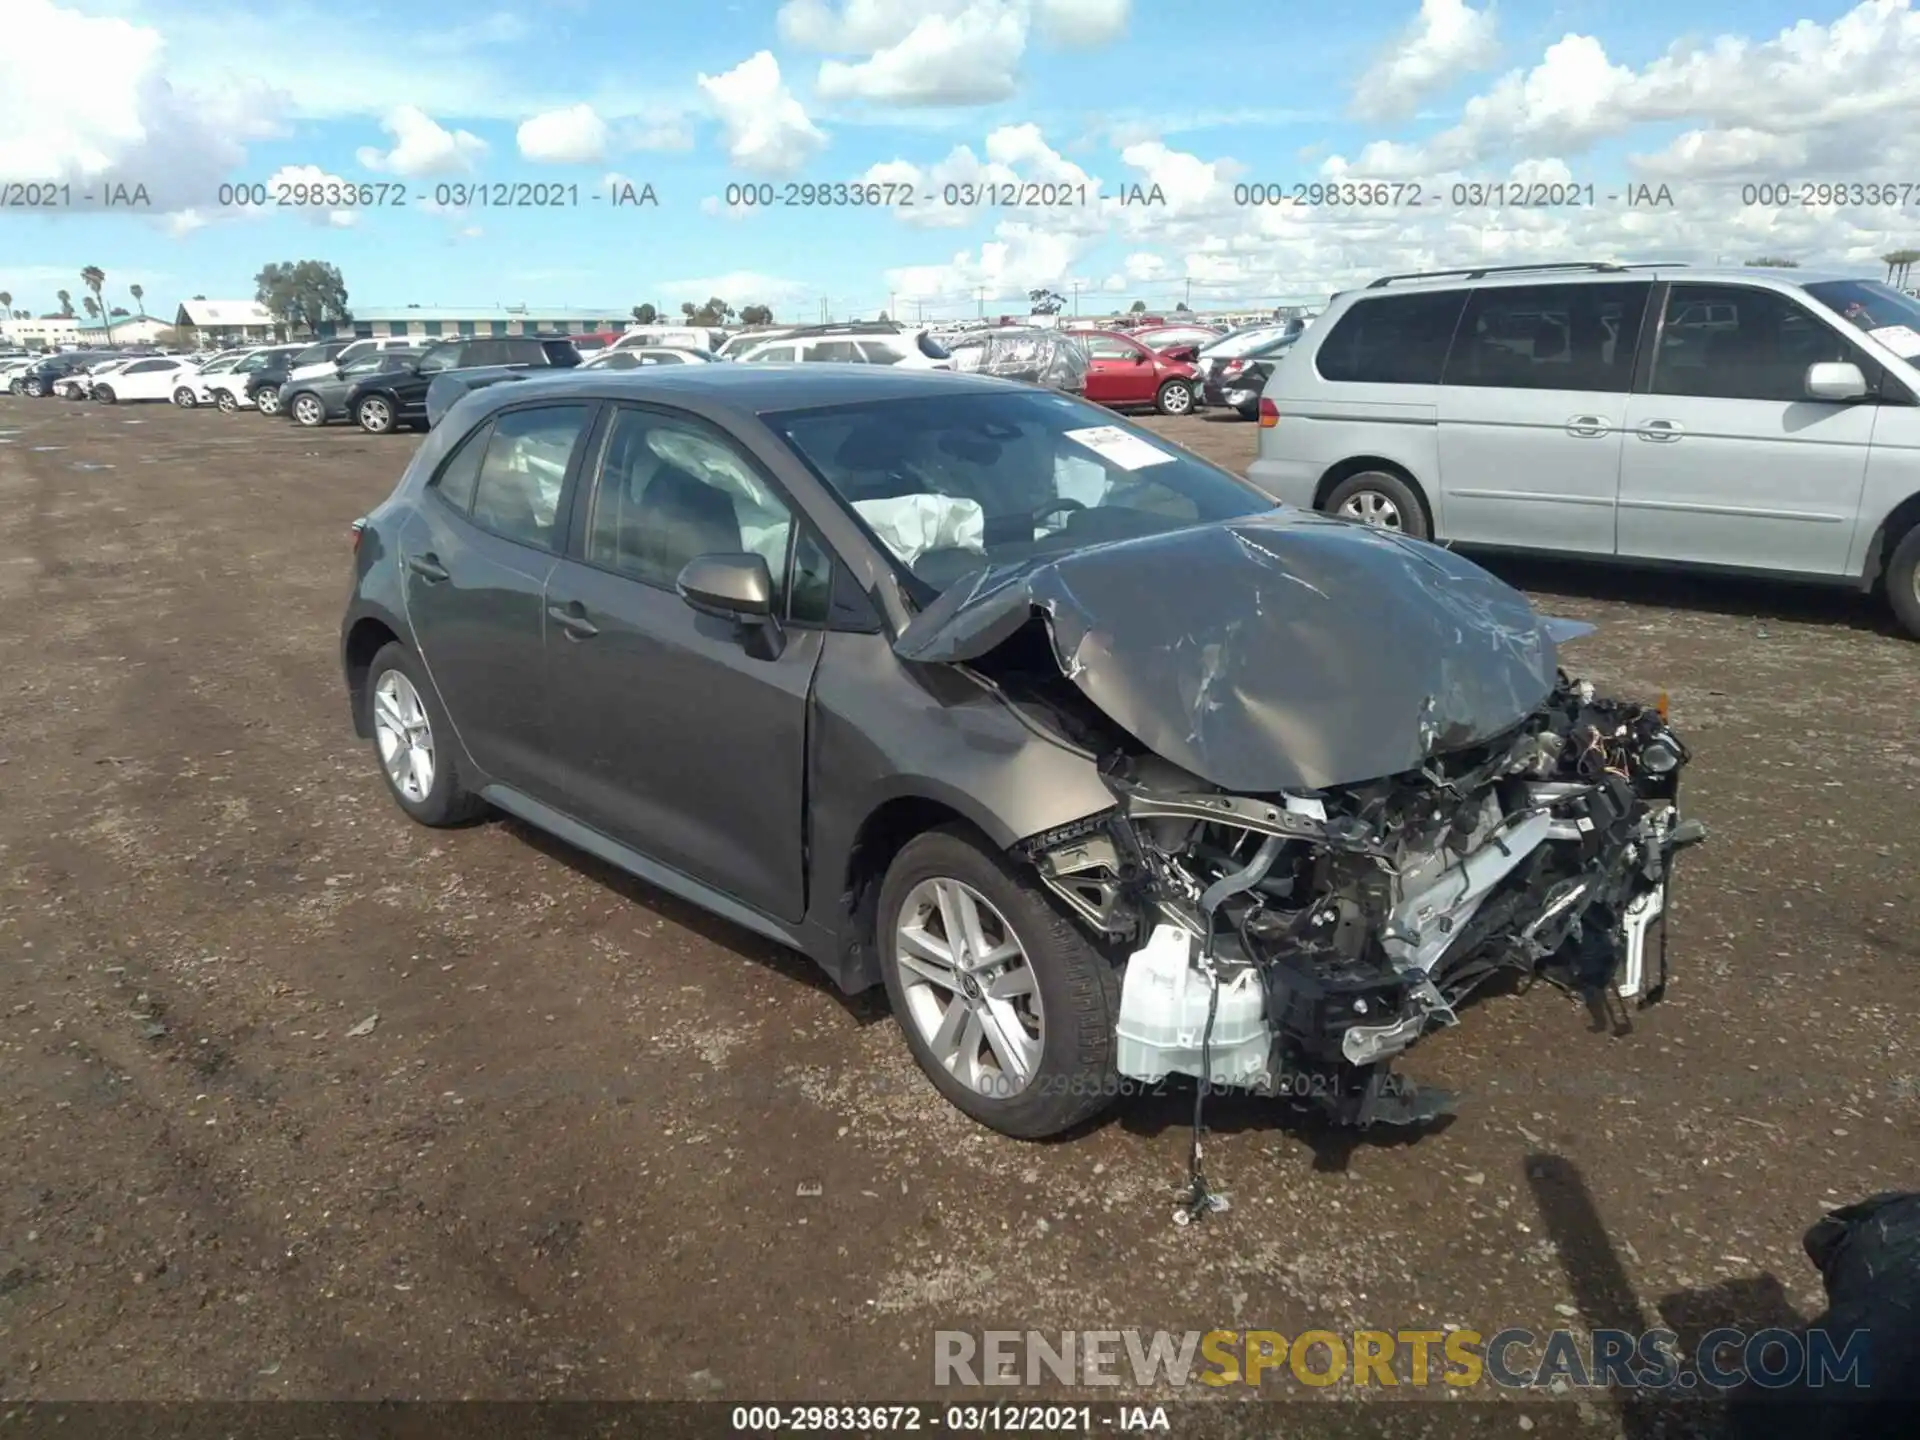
[
  {"x": 969, "y": 987},
  {"x": 1372, "y": 508},
  {"x": 267, "y": 402},
  {"x": 375, "y": 416},
  {"x": 1179, "y": 400},
  {"x": 184, "y": 398},
  {"x": 405, "y": 736},
  {"x": 307, "y": 410},
  {"x": 227, "y": 403}
]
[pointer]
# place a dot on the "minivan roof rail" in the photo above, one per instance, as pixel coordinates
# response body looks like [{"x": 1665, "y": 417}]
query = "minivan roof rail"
[
  {"x": 846, "y": 327},
  {"x": 1480, "y": 272}
]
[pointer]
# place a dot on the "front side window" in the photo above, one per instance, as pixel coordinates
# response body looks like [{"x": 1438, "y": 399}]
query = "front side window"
[
  {"x": 1549, "y": 337},
  {"x": 660, "y": 357},
  {"x": 1732, "y": 342},
  {"x": 439, "y": 357},
  {"x": 517, "y": 495},
  {"x": 1392, "y": 339},
  {"x": 774, "y": 352},
  {"x": 670, "y": 490},
  {"x": 877, "y": 352},
  {"x": 1111, "y": 347},
  {"x": 839, "y": 352},
  {"x": 949, "y": 483}
]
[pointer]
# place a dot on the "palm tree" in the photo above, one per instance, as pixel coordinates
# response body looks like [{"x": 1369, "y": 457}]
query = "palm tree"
[
  {"x": 93, "y": 277},
  {"x": 139, "y": 298},
  {"x": 66, "y": 303},
  {"x": 6, "y": 305},
  {"x": 92, "y": 306}
]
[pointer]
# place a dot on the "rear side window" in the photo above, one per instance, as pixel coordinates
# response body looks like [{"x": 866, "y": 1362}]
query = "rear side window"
[
  {"x": 518, "y": 492},
  {"x": 457, "y": 478},
  {"x": 561, "y": 353},
  {"x": 840, "y": 352},
  {"x": 877, "y": 353},
  {"x": 1550, "y": 337},
  {"x": 1392, "y": 340},
  {"x": 775, "y": 352}
]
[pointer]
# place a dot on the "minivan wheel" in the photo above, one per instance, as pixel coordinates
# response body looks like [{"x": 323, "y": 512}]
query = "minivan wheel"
[
  {"x": 1175, "y": 398},
  {"x": 185, "y": 398},
  {"x": 1379, "y": 499},
  {"x": 1005, "y": 1004},
  {"x": 226, "y": 401},
  {"x": 374, "y": 415},
  {"x": 307, "y": 410},
  {"x": 1903, "y": 581},
  {"x": 413, "y": 743}
]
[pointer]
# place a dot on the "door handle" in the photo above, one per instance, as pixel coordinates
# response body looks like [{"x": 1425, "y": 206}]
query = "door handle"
[
  {"x": 572, "y": 618},
  {"x": 1588, "y": 427},
  {"x": 1661, "y": 431},
  {"x": 427, "y": 567}
]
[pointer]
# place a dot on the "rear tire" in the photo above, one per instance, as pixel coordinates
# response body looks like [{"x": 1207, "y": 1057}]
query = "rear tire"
[
  {"x": 1073, "y": 1077},
  {"x": 227, "y": 401},
  {"x": 1903, "y": 582},
  {"x": 374, "y": 414},
  {"x": 445, "y": 801},
  {"x": 1377, "y": 498}
]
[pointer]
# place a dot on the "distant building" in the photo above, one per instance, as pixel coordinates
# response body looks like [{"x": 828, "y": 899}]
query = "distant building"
[
  {"x": 433, "y": 321},
  {"x": 224, "y": 322},
  {"x": 42, "y": 334},
  {"x": 127, "y": 330}
]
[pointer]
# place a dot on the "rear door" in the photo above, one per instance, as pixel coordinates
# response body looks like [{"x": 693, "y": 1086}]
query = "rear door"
[
  {"x": 1728, "y": 461},
  {"x": 1533, "y": 402},
  {"x": 475, "y": 555},
  {"x": 146, "y": 380},
  {"x": 682, "y": 739}
]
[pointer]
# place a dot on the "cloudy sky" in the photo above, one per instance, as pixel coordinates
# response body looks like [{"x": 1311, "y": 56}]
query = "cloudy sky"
[{"x": 1722, "y": 104}]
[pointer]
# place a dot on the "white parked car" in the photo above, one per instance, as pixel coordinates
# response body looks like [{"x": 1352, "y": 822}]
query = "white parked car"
[
  {"x": 323, "y": 359},
  {"x": 153, "y": 377},
  {"x": 232, "y": 390},
  {"x": 855, "y": 345},
  {"x": 633, "y": 357},
  {"x": 79, "y": 385},
  {"x": 191, "y": 389},
  {"x": 681, "y": 337}
]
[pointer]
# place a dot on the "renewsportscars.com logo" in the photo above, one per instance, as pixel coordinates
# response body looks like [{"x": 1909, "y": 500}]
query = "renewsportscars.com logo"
[{"x": 1511, "y": 1359}]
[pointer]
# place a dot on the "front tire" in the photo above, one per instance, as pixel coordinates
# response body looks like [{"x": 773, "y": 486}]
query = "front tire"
[
  {"x": 374, "y": 415},
  {"x": 185, "y": 398},
  {"x": 1175, "y": 398},
  {"x": 307, "y": 410},
  {"x": 1014, "y": 1024},
  {"x": 229, "y": 404},
  {"x": 33, "y": 389},
  {"x": 1379, "y": 499},
  {"x": 1903, "y": 582},
  {"x": 413, "y": 743},
  {"x": 267, "y": 402},
  {"x": 104, "y": 394}
]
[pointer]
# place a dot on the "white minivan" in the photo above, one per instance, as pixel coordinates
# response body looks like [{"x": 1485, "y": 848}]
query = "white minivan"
[{"x": 1751, "y": 421}]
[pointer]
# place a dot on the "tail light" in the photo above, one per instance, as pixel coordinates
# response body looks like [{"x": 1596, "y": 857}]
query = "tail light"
[
  {"x": 1269, "y": 414},
  {"x": 359, "y": 532},
  {"x": 1233, "y": 368}
]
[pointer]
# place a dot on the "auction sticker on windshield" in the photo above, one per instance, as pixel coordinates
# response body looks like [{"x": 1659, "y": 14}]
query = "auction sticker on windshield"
[
  {"x": 1901, "y": 339},
  {"x": 1117, "y": 447}
]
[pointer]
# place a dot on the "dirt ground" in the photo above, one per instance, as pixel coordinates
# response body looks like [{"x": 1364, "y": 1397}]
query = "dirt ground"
[{"x": 596, "y": 1144}]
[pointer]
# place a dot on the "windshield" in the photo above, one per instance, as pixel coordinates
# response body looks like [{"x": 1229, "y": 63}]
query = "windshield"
[
  {"x": 1882, "y": 311},
  {"x": 951, "y": 483},
  {"x": 315, "y": 354}
]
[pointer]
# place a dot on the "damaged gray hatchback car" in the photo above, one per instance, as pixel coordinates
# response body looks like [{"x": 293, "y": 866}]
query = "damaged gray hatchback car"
[{"x": 1104, "y": 767}]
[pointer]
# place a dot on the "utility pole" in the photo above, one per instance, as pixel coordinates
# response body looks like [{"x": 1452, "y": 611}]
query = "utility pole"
[
  {"x": 1189, "y": 300},
  {"x": 891, "y": 297},
  {"x": 1076, "y": 299},
  {"x": 980, "y": 294}
]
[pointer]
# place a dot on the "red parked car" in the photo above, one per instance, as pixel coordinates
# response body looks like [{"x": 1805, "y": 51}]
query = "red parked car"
[{"x": 1122, "y": 372}]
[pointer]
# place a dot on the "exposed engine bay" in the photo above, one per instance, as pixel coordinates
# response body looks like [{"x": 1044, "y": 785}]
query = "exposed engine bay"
[{"x": 1294, "y": 943}]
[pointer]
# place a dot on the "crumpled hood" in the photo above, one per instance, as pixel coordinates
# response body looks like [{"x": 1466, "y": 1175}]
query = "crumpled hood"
[{"x": 1286, "y": 650}]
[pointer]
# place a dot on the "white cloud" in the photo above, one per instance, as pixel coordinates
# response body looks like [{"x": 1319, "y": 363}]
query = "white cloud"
[
  {"x": 668, "y": 133},
  {"x": 132, "y": 129},
  {"x": 767, "y": 130},
  {"x": 573, "y": 136},
  {"x": 1447, "y": 40},
  {"x": 310, "y": 182},
  {"x": 1083, "y": 22},
  {"x": 422, "y": 146},
  {"x": 938, "y": 52}
]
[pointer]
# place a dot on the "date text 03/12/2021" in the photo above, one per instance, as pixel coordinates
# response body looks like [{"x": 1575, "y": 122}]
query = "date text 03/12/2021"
[
  {"x": 1456, "y": 195},
  {"x": 954, "y": 195}
]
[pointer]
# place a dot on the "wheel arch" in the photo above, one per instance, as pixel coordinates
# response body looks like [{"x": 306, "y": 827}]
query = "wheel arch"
[
  {"x": 1886, "y": 538},
  {"x": 365, "y": 638},
  {"x": 1359, "y": 465}
]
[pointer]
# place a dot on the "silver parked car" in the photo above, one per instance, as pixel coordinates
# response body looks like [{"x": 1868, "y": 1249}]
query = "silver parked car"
[{"x": 1753, "y": 421}]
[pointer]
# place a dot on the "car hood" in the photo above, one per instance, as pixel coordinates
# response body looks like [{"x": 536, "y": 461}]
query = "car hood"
[{"x": 1287, "y": 650}]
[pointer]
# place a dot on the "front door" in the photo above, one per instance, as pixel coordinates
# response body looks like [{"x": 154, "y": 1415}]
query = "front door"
[
  {"x": 476, "y": 556},
  {"x": 684, "y": 739},
  {"x": 1532, "y": 402},
  {"x": 1727, "y": 461},
  {"x": 1119, "y": 372}
]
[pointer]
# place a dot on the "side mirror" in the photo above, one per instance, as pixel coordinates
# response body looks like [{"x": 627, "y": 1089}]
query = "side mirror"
[
  {"x": 1138, "y": 358},
  {"x": 737, "y": 588},
  {"x": 729, "y": 587},
  {"x": 1836, "y": 380}
]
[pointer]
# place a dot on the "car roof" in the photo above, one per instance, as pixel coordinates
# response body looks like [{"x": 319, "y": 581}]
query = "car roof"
[
  {"x": 761, "y": 389},
  {"x": 1600, "y": 274}
]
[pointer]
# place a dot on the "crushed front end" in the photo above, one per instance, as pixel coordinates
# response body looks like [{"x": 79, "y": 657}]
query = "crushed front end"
[{"x": 1296, "y": 942}]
